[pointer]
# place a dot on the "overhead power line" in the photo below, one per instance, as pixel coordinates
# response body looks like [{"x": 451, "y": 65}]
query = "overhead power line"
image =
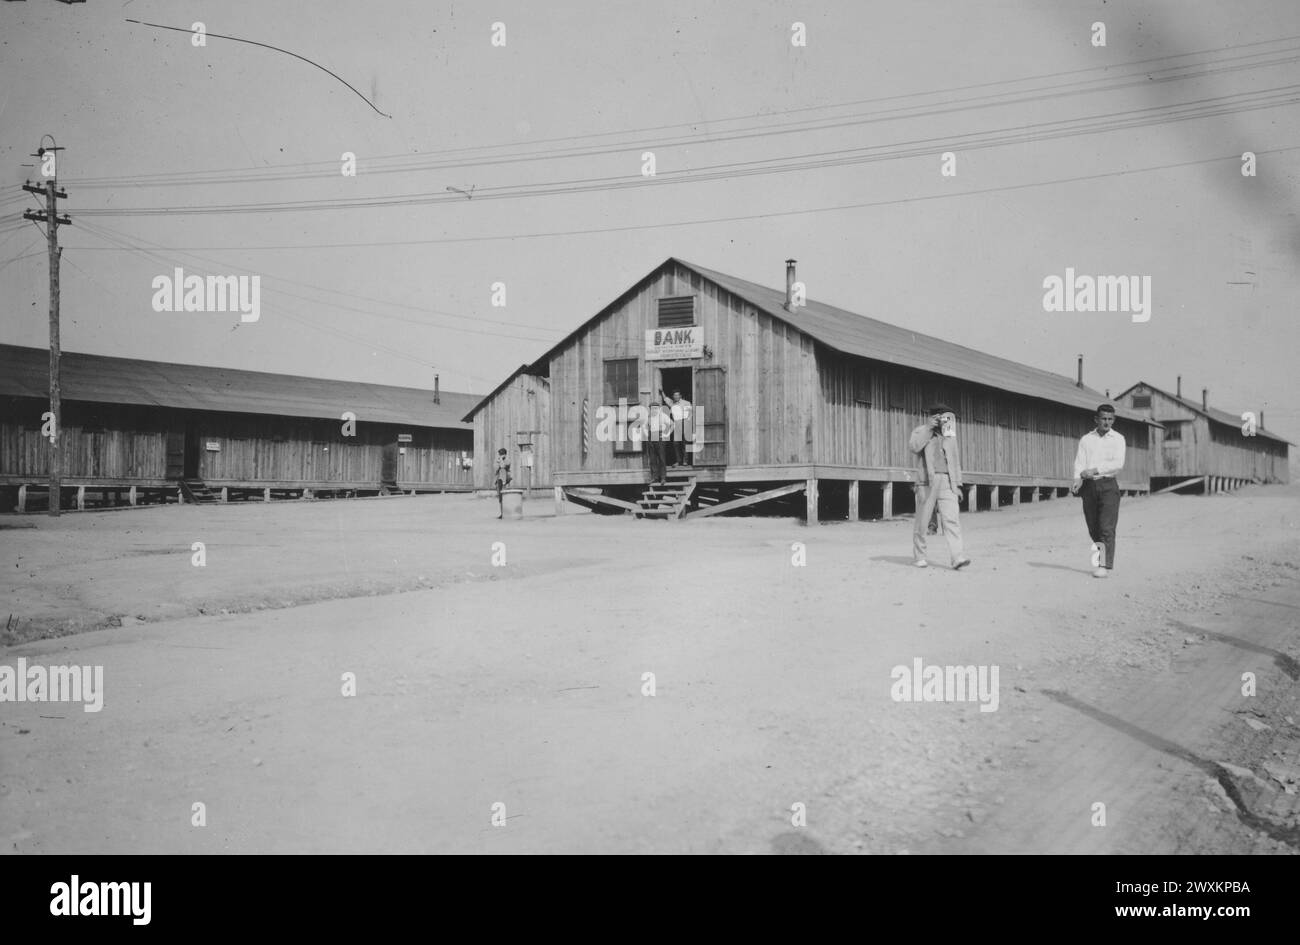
[
  {"x": 1040, "y": 131},
  {"x": 477, "y": 156},
  {"x": 738, "y": 218}
]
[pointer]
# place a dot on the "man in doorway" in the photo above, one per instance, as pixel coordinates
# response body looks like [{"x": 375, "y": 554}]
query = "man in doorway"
[
  {"x": 661, "y": 431},
  {"x": 502, "y": 480},
  {"x": 939, "y": 475},
  {"x": 680, "y": 408},
  {"x": 1096, "y": 466}
]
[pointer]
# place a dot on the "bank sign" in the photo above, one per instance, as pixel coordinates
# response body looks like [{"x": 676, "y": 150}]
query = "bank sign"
[{"x": 666, "y": 344}]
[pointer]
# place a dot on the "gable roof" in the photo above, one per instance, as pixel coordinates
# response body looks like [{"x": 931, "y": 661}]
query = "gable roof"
[
  {"x": 1213, "y": 413},
  {"x": 95, "y": 378},
  {"x": 523, "y": 368},
  {"x": 853, "y": 334}
]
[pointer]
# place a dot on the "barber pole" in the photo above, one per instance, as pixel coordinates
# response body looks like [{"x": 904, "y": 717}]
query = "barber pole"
[{"x": 586, "y": 429}]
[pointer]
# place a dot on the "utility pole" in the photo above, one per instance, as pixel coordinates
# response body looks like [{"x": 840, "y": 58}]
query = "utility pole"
[{"x": 50, "y": 217}]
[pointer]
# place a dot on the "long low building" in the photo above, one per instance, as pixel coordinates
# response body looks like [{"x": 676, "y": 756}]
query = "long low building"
[
  {"x": 795, "y": 402},
  {"x": 136, "y": 431},
  {"x": 1202, "y": 448}
]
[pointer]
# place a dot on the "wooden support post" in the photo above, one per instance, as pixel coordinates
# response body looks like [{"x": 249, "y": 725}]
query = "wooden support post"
[
  {"x": 266, "y": 494},
  {"x": 180, "y": 496},
  {"x": 853, "y": 501},
  {"x": 131, "y": 496},
  {"x": 810, "y": 490},
  {"x": 81, "y": 498},
  {"x": 225, "y": 493},
  {"x": 1015, "y": 497},
  {"x": 559, "y": 500},
  {"x": 887, "y": 501},
  {"x": 972, "y": 498},
  {"x": 1034, "y": 496},
  {"x": 995, "y": 495},
  {"x": 22, "y": 498}
]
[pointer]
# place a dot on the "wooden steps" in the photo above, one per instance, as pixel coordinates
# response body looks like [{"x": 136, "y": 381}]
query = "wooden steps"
[
  {"x": 197, "y": 491},
  {"x": 669, "y": 500}
]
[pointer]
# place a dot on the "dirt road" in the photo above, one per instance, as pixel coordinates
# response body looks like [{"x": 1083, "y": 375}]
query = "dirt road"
[{"x": 524, "y": 685}]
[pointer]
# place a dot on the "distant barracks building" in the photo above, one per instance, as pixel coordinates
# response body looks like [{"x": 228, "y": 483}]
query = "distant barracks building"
[
  {"x": 1201, "y": 448},
  {"x": 147, "y": 431}
]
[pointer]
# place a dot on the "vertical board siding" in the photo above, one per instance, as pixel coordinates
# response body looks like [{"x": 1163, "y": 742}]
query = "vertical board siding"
[
  {"x": 792, "y": 401},
  {"x": 126, "y": 442},
  {"x": 1206, "y": 447},
  {"x": 523, "y": 404},
  {"x": 875, "y": 434},
  {"x": 770, "y": 368}
]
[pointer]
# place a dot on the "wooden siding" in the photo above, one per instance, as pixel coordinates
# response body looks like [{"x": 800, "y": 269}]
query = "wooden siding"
[
  {"x": 770, "y": 373},
  {"x": 110, "y": 442},
  {"x": 523, "y": 404},
  {"x": 129, "y": 443},
  {"x": 1206, "y": 447},
  {"x": 790, "y": 401},
  {"x": 869, "y": 409},
  {"x": 281, "y": 449}
]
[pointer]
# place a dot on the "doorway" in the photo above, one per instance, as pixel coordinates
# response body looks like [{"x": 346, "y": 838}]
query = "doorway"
[
  {"x": 670, "y": 380},
  {"x": 682, "y": 379},
  {"x": 183, "y": 452}
]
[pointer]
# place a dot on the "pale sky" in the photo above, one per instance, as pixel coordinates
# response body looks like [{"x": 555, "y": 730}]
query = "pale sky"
[{"x": 581, "y": 90}]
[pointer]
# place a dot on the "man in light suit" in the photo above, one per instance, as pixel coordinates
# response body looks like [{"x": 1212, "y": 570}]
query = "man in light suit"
[{"x": 939, "y": 477}]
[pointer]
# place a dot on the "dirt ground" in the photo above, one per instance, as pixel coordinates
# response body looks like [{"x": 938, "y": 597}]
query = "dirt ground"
[{"x": 517, "y": 692}]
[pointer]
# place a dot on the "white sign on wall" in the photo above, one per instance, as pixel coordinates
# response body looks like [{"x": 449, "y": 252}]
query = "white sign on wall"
[
  {"x": 666, "y": 344},
  {"x": 213, "y": 446}
]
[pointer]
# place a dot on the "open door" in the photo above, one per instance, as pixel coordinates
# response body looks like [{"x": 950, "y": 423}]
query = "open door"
[
  {"x": 193, "y": 451},
  {"x": 175, "y": 454},
  {"x": 388, "y": 465},
  {"x": 710, "y": 416}
]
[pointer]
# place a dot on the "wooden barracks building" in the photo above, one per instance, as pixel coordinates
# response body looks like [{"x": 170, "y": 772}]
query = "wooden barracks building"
[
  {"x": 1201, "y": 448},
  {"x": 147, "y": 431},
  {"x": 801, "y": 407}
]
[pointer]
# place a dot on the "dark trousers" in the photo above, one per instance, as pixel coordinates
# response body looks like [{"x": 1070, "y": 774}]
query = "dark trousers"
[
  {"x": 1101, "y": 512},
  {"x": 678, "y": 446},
  {"x": 657, "y": 471}
]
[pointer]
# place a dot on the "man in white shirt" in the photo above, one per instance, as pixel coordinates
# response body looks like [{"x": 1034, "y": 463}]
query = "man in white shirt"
[{"x": 1096, "y": 468}]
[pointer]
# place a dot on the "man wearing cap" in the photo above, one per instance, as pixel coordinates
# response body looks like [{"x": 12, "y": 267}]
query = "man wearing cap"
[
  {"x": 1096, "y": 465},
  {"x": 939, "y": 475}
]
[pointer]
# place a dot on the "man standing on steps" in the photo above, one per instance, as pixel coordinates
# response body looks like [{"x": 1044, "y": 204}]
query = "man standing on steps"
[
  {"x": 1096, "y": 466},
  {"x": 661, "y": 430},
  {"x": 939, "y": 474}
]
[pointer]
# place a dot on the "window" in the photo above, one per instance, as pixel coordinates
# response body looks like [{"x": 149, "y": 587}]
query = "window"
[
  {"x": 896, "y": 391},
  {"x": 621, "y": 381},
  {"x": 1141, "y": 401},
  {"x": 1173, "y": 431},
  {"x": 677, "y": 311},
  {"x": 862, "y": 387}
]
